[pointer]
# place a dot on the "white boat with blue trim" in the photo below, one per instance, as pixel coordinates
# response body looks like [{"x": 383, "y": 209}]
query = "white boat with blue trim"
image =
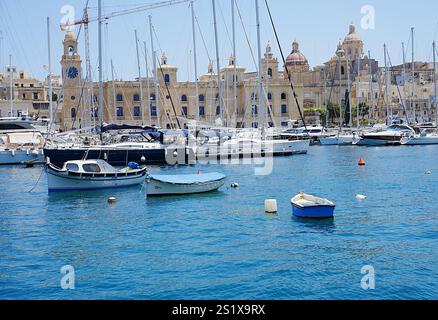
[
  {"x": 311, "y": 207},
  {"x": 83, "y": 175},
  {"x": 165, "y": 185}
]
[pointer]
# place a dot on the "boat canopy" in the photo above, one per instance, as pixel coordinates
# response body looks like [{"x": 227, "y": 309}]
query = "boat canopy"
[
  {"x": 115, "y": 127},
  {"x": 189, "y": 179}
]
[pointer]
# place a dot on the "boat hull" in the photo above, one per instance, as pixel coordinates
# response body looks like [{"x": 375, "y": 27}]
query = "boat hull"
[
  {"x": 379, "y": 142},
  {"x": 62, "y": 181},
  {"x": 115, "y": 157},
  {"x": 160, "y": 188},
  {"x": 313, "y": 212},
  {"x": 420, "y": 141}
]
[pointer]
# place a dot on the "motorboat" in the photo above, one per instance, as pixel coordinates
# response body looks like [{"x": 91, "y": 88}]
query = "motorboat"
[
  {"x": 160, "y": 185},
  {"x": 80, "y": 175},
  {"x": 391, "y": 136},
  {"x": 315, "y": 134},
  {"x": 426, "y": 137},
  {"x": 308, "y": 206},
  {"x": 341, "y": 139},
  {"x": 21, "y": 147}
]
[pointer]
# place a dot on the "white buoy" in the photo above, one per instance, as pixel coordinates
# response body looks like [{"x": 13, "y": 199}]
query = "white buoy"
[
  {"x": 112, "y": 200},
  {"x": 234, "y": 185},
  {"x": 271, "y": 206},
  {"x": 143, "y": 159},
  {"x": 361, "y": 197},
  {"x": 428, "y": 172}
]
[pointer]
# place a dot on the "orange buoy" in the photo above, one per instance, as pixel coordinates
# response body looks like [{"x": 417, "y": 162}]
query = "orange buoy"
[{"x": 361, "y": 162}]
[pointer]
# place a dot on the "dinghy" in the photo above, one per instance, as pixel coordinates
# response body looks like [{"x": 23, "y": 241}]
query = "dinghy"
[
  {"x": 307, "y": 206},
  {"x": 92, "y": 175},
  {"x": 160, "y": 185}
]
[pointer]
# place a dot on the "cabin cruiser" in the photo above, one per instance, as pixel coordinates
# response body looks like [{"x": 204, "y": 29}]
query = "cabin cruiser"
[
  {"x": 427, "y": 136},
  {"x": 343, "y": 138},
  {"x": 313, "y": 133},
  {"x": 21, "y": 147},
  {"x": 24, "y": 124},
  {"x": 390, "y": 136},
  {"x": 92, "y": 175}
]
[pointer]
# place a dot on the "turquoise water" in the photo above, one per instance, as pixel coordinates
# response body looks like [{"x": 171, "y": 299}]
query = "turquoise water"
[{"x": 222, "y": 245}]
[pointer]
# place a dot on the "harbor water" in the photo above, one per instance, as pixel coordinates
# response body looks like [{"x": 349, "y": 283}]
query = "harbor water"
[{"x": 222, "y": 245}]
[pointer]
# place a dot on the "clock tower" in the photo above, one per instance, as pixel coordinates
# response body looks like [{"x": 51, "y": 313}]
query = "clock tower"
[{"x": 72, "y": 82}]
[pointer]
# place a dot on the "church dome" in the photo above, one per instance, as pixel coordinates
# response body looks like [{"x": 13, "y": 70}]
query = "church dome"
[
  {"x": 296, "y": 57},
  {"x": 352, "y": 35}
]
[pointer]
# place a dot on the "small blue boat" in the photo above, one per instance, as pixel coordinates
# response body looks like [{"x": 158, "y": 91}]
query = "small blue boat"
[{"x": 307, "y": 206}]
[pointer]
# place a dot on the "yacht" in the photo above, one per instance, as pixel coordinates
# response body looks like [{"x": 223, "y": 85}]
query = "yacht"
[
  {"x": 391, "y": 136},
  {"x": 427, "y": 136}
]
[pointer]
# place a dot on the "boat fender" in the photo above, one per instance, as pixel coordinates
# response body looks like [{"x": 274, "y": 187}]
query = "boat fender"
[
  {"x": 13, "y": 153},
  {"x": 105, "y": 156},
  {"x": 143, "y": 159},
  {"x": 35, "y": 153},
  {"x": 27, "y": 151},
  {"x": 234, "y": 185}
]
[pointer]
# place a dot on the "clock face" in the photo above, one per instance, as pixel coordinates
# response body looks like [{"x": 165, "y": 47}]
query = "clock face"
[{"x": 72, "y": 72}]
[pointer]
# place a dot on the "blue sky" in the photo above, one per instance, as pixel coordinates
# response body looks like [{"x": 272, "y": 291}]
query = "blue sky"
[{"x": 317, "y": 25}]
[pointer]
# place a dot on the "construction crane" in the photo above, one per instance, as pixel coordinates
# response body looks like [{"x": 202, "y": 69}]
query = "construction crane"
[{"x": 86, "y": 20}]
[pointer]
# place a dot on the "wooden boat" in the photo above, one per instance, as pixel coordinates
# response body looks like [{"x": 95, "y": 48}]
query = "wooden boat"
[
  {"x": 307, "y": 206},
  {"x": 160, "y": 185},
  {"x": 92, "y": 175}
]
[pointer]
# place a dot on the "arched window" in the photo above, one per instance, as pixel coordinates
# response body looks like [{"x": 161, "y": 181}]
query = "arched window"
[
  {"x": 184, "y": 98},
  {"x": 201, "y": 98},
  {"x": 218, "y": 110},
  {"x": 166, "y": 78},
  {"x": 119, "y": 98},
  {"x": 136, "y": 97},
  {"x": 269, "y": 96},
  {"x": 270, "y": 72},
  {"x": 283, "y": 96},
  {"x": 73, "y": 113}
]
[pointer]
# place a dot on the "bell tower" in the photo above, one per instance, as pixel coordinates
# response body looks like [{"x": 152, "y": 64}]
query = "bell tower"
[{"x": 71, "y": 65}]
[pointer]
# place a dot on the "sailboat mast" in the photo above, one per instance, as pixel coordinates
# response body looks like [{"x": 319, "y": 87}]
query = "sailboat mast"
[
  {"x": 370, "y": 71},
  {"x": 100, "y": 67},
  {"x": 218, "y": 66},
  {"x": 195, "y": 58},
  {"x": 148, "y": 90},
  {"x": 261, "y": 107},
  {"x": 154, "y": 64},
  {"x": 413, "y": 75},
  {"x": 386, "y": 88},
  {"x": 139, "y": 79},
  {"x": 350, "y": 120},
  {"x": 11, "y": 87},
  {"x": 235, "y": 96},
  {"x": 404, "y": 77},
  {"x": 358, "y": 92},
  {"x": 50, "y": 75},
  {"x": 341, "y": 122},
  {"x": 435, "y": 83},
  {"x": 114, "y": 90}
]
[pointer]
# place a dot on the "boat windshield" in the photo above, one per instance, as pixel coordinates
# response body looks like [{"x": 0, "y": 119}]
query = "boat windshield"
[
  {"x": 91, "y": 167},
  {"x": 72, "y": 167}
]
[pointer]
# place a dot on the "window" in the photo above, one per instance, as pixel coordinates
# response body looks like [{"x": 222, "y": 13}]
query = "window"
[
  {"x": 269, "y": 109},
  {"x": 201, "y": 98},
  {"x": 152, "y": 97},
  {"x": 94, "y": 99},
  {"x": 255, "y": 125},
  {"x": 73, "y": 98},
  {"x": 31, "y": 85},
  {"x": 119, "y": 111},
  {"x": 184, "y": 98},
  {"x": 184, "y": 111},
  {"x": 269, "y": 96},
  {"x": 119, "y": 98},
  {"x": 201, "y": 111},
  {"x": 342, "y": 70},
  {"x": 283, "y": 96},
  {"x": 270, "y": 124},
  {"x": 153, "y": 111},
  {"x": 285, "y": 124},
  {"x": 94, "y": 113},
  {"x": 35, "y": 95},
  {"x": 283, "y": 108},
  {"x": 136, "y": 97},
  {"x": 254, "y": 110},
  {"x": 217, "y": 97},
  {"x": 72, "y": 167},
  {"x": 270, "y": 72},
  {"x": 136, "y": 111},
  {"x": 218, "y": 110},
  {"x": 73, "y": 113},
  {"x": 166, "y": 78},
  {"x": 253, "y": 96},
  {"x": 91, "y": 167}
]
